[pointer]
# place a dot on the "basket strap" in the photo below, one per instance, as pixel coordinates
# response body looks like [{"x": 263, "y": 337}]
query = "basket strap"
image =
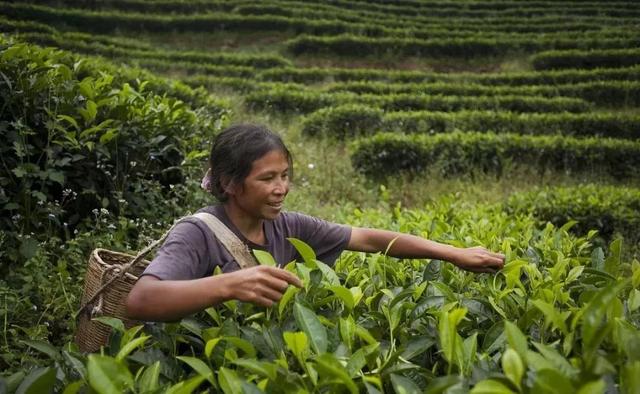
[
  {"x": 125, "y": 268},
  {"x": 231, "y": 242}
]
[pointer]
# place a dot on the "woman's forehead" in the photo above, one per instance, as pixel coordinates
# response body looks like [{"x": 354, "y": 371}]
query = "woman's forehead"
[{"x": 274, "y": 160}]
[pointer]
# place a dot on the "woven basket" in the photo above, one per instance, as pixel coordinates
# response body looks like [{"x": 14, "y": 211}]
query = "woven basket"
[
  {"x": 114, "y": 270},
  {"x": 109, "y": 279}
]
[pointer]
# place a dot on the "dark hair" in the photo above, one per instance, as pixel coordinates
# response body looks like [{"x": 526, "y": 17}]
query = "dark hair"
[{"x": 235, "y": 149}]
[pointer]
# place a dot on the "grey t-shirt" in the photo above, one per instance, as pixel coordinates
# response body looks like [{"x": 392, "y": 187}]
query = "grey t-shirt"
[{"x": 191, "y": 251}]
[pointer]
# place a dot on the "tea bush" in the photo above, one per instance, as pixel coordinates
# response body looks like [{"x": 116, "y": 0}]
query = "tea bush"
[
  {"x": 387, "y": 154},
  {"x": 560, "y": 314},
  {"x": 611, "y": 210},
  {"x": 79, "y": 139}
]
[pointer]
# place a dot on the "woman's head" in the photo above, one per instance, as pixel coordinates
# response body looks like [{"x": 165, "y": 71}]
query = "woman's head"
[{"x": 235, "y": 150}]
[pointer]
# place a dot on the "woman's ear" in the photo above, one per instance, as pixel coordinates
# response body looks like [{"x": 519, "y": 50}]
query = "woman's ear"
[{"x": 228, "y": 186}]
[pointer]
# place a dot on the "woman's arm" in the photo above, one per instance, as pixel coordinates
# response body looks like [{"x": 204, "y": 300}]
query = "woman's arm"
[
  {"x": 152, "y": 299},
  {"x": 476, "y": 259}
]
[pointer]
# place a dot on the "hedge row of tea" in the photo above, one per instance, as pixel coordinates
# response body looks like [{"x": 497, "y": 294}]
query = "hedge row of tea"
[
  {"x": 386, "y": 154},
  {"x": 612, "y": 211},
  {"x": 560, "y": 317},
  {"x": 348, "y": 121},
  {"x": 345, "y": 38},
  {"x": 199, "y": 61}
]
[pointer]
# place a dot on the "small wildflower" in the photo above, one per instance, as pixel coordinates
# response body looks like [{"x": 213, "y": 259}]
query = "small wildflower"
[
  {"x": 35, "y": 308},
  {"x": 311, "y": 166},
  {"x": 40, "y": 203},
  {"x": 95, "y": 211},
  {"x": 133, "y": 163},
  {"x": 52, "y": 216},
  {"x": 104, "y": 211},
  {"x": 111, "y": 227}
]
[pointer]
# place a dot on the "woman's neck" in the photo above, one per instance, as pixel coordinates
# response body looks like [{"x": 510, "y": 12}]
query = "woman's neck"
[{"x": 251, "y": 228}]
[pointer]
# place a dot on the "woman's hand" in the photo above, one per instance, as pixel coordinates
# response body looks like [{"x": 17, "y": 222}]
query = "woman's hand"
[
  {"x": 478, "y": 259},
  {"x": 261, "y": 285}
]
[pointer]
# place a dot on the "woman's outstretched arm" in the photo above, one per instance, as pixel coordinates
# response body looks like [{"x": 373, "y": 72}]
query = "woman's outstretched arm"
[
  {"x": 152, "y": 299},
  {"x": 476, "y": 259}
]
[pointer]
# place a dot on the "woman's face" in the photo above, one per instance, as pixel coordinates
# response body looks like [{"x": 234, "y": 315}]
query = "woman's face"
[{"x": 263, "y": 191}]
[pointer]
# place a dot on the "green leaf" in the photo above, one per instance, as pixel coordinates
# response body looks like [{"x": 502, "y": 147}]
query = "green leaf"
[
  {"x": 264, "y": 258},
  {"x": 186, "y": 386},
  {"x": 199, "y": 366},
  {"x": 594, "y": 387},
  {"x": 517, "y": 340},
  {"x": 69, "y": 119},
  {"x": 40, "y": 380},
  {"x": 594, "y": 313},
  {"x": 240, "y": 343},
  {"x": 490, "y": 386},
  {"x": 129, "y": 347},
  {"x": 150, "y": 378},
  {"x": 56, "y": 176},
  {"x": 612, "y": 263},
  {"x": 75, "y": 364},
  {"x": 286, "y": 298},
  {"x": 45, "y": 348},
  {"x": 310, "y": 324},
  {"x": 559, "y": 363},
  {"x": 112, "y": 322},
  {"x": 328, "y": 273},
  {"x": 74, "y": 387},
  {"x": 403, "y": 385},
  {"x": 106, "y": 376},
  {"x": 89, "y": 112},
  {"x": 268, "y": 370},
  {"x": 441, "y": 384},
  {"x": 550, "y": 381},
  {"x": 308, "y": 255},
  {"x": 512, "y": 366},
  {"x": 630, "y": 378},
  {"x": 551, "y": 315},
  {"x": 229, "y": 381},
  {"x": 345, "y": 295},
  {"x": 448, "y": 333},
  {"x": 634, "y": 300},
  {"x": 330, "y": 368},
  {"x": 298, "y": 343}
]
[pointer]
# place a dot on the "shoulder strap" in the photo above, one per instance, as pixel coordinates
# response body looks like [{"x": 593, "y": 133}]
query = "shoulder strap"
[{"x": 231, "y": 242}]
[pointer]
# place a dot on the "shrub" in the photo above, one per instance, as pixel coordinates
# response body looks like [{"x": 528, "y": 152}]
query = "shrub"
[{"x": 78, "y": 139}]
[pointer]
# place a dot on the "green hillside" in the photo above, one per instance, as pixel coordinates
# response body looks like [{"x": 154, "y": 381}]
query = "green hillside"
[{"x": 510, "y": 124}]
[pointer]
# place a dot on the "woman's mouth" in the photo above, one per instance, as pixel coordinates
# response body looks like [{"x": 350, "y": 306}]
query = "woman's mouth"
[{"x": 276, "y": 205}]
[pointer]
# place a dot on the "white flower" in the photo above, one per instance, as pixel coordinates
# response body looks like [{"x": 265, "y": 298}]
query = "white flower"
[{"x": 311, "y": 166}]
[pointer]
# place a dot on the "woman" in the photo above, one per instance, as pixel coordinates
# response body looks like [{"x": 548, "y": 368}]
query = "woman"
[{"x": 250, "y": 170}]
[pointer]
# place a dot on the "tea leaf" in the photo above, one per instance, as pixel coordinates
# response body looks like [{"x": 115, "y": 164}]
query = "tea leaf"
[
  {"x": 403, "y": 385},
  {"x": 512, "y": 366},
  {"x": 199, "y": 366},
  {"x": 264, "y": 258},
  {"x": 329, "y": 367},
  {"x": 490, "y": 386},
  {"x": 186, "y": 386},
  {"x": 149, "y": 380},
  {"x": 305, "y": 251},
  {"x": 45, "y": 348},
  {"x": 310, "y": 324},
  {"x": 40, "y": 380},
  {"x": 106, "y": 376}
]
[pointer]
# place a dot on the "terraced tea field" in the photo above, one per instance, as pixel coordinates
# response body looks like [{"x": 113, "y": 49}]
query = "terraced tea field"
[{"x": 505, "y": 123}]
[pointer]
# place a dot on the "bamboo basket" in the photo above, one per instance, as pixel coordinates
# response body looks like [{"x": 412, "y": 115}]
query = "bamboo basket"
[
  {"x": 109, "y": 278},
  {"x": 105, "y": 266}
]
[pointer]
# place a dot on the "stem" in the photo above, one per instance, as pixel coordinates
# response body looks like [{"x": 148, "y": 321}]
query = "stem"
[{"x": 4, "y": 328}]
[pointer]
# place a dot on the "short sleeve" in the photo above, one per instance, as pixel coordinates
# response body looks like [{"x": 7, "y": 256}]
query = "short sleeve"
[
  {"x": 184, "y": 255},
  {"x": 327, "y": 239}
]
